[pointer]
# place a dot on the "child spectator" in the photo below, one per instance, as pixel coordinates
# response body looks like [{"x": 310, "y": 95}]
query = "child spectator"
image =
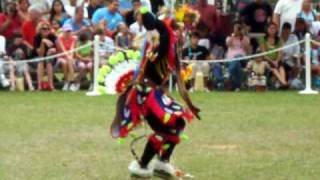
[
  {"x": 84, "y": 60},
  {"x": 123, "y": 37},
  {"x": 256, "y": 73},
  {"x": 44, "y": 44},
  {"x": 270, "y": 42},
  {"x": 67, "y": 42},
  {"x": 198, "y": 53},
  {"x": 56, "y": 27},
  {"x": 106, "y": 47},
  {"x": 19, "y": 51}
]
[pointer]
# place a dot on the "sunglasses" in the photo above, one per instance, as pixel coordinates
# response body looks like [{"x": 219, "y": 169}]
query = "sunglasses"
[{"x": 45, "y": 28}]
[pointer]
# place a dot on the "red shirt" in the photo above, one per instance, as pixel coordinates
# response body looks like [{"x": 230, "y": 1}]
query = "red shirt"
[
  {"x": 29, "y": 31},
  {"x": 208, "y": 15},
  {"x": 13, "y": 27},
  {"x": 67, "y": 42}
]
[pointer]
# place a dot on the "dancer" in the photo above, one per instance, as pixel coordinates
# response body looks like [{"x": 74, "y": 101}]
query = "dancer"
[{"x": 146, "y": 98}]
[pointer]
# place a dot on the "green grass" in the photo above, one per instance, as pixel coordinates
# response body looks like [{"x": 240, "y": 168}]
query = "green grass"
[{"x": 65, "y": 136}]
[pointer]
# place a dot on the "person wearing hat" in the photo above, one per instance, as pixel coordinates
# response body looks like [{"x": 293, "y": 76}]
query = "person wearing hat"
[{"x": 66, "y": 42}]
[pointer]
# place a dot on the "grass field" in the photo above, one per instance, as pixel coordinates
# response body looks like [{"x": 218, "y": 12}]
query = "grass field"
[{"x": 64, "y": 136}]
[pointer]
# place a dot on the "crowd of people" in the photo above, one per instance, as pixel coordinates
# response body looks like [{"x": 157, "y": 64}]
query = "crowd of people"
[{"x": 42, "y": 28}]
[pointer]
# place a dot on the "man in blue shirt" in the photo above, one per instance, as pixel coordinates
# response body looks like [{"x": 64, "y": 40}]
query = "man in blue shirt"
[
  {"x": 109, "y": 14},
  {"x": 78, "y": 23}
]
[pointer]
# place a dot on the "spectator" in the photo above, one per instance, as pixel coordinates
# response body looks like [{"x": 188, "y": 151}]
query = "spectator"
[
  {"x": 270, "y": 42},
  {"x": 301, "y": 28},
  {"x": 79, "y": 24},
  {"x": 130, "y": 16},
  {"x": 196, "y": 52},
  {"x": 56, "y": 27},
  {"x": 256, "y": 15},
  {"x": 7, "y": 67},
  {"x": 156, "y": 5},
  {"x": 257, "y": 73},
  {"x": 286, "y": 11},
  {"x": 307, "y": 13},
  {"x": 109, "y": 15},
  {"x": 106, "y": 46},
  {"x": 291, "y": 56},
  {"x": 44, "y": 45},
  {"x": 72, "y": 6},
  {"x": 238, "y": 46},
  {"x": 29, "y": 26},
  {"x": 314, "y": 29},
  {"x": 122, "y": 36},
  {"x": 138, "y": 31},
  {"x": 58, "y": 12},
  {"x": 22, "y": 8},
  {"x": 84, "y": 60},
  {"x": 10, "y": 22},
  {"x": 43, "y": 6},
  {"x": 19, "y": 51},
  {"x": 93, "y": 7},
  {"x": 65, "y": 43},
  {"x": 208, "y": 14}
]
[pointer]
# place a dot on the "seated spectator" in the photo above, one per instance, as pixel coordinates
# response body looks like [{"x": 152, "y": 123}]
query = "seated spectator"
[
  {"x": 198, "y": 53},
  {"x": 7, "y": 68},
  {"x": 66, "y": 42},
  {"x": 22, "y": 8},
  {"x": 72, "y": 6},
  {"x": 84, "y": 60},
  {"x": 92, "y": 7},
  {"x": 270, "y": 42},
  {"x": 108, "y": 14},
  {"x": 138, "y": 31},
  {"x": 10, "y": 22},
  {"x": 122, "y": 36},
  {"x": 257, "y": 73},
  {"x": 238, "y": 46},
  {"x": 256, "y": 15},
  {"x": 56, "y": 27},
  {"x": 44, "y": 45},
  {"x": 130, "y": 16},
  {"x": 307, "y": 13},
  {"x": 29, "y": 27},
  {"x": 19, "y": 51},
  {"x": 43, "y": 6},
  {"x": 58, "y": 12},
  {"x": 79, "y": 24},
  {"x": 106, "y": 47},
  {"x": 291, "y": 56},
  {"x": 314, "y": 29}
]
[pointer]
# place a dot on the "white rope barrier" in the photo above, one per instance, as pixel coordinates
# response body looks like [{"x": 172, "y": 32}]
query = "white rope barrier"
[
  {"x": 50, "y": 57},
  {"x": 246, "y": 57}
]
